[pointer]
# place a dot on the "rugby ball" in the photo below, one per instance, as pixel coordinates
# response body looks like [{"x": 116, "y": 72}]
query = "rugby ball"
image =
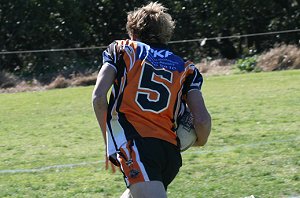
[{"x": 186, "y": 131}]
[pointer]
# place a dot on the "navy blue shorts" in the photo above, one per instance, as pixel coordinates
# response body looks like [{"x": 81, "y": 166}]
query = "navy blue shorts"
[{"x": 149, "y": 159}]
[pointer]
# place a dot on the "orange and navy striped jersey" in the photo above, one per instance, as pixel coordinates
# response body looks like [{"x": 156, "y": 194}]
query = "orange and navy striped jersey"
[{"x": 147, "y": 92}]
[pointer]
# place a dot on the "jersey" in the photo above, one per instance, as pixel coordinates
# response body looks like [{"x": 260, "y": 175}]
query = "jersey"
[{"x": 146, "y": 96}]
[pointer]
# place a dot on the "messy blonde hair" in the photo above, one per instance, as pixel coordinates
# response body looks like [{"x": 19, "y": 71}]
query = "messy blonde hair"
[{"x": 150, "y": 24}]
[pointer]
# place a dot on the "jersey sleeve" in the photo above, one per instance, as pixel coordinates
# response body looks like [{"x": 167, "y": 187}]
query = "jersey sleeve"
[
  {"x": 197, "y": 80},
  {"x": 193, "y": 81},
  {"x": 111, "y": 55}
]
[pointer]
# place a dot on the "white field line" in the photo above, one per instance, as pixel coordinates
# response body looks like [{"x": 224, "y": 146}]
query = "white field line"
[
  {"x": 225, "y": 149},
  {"x": 252, "y": 145},
  {"x": 45, "y": 168}
]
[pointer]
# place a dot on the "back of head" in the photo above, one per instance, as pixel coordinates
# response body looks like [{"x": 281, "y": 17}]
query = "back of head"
[{"x": 150, "y": 24}]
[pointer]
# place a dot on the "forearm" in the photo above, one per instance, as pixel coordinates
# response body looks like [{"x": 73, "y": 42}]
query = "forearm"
[
  {"x": 105, "y": 79},
  {"x": 100, "y": 109},
  {"x": 202, "y": 118},
  {"x": 202, "y": 127}
]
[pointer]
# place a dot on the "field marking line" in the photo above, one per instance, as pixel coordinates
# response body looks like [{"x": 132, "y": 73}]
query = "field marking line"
[
  {"x": 45, "y": 168},
  {"x": 230, "y": 148},
  {"x": 64, "y": 166}
]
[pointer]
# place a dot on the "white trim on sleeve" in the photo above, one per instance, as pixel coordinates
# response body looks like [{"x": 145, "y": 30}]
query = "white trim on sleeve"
[{"x": 194, "y": 89}]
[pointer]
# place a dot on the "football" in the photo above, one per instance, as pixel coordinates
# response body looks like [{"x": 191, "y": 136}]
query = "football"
[{"x": 185, "y": 131}]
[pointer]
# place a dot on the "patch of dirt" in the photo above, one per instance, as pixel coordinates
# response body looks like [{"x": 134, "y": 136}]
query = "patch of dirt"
[
  {"x": 216, "y": 67},
  {"x": 280, "y": 58},
  {"x": 23, "y": 87}
]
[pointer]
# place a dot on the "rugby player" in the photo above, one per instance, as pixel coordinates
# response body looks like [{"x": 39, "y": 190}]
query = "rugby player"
[{"x": 149, "y": 85}]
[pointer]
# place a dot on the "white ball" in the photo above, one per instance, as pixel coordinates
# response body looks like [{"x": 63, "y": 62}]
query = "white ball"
[{"x": 185, "y": 131}]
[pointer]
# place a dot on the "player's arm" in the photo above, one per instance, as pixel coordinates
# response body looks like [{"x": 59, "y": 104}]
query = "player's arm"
[
  {"x": 202, "y": 119},
  {"x": 105, "y": 80}
]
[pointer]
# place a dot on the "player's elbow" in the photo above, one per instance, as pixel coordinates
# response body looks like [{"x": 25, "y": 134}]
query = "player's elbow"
[
  {"x": 98, "y": 100},
  {"x": 201, "y": 141}
]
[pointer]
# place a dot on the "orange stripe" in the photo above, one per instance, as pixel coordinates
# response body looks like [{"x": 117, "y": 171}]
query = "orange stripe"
[{"x": 132, "y": 171}]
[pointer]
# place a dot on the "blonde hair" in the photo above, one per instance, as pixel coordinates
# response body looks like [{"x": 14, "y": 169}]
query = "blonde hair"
[{"x": 150, "y": 24}]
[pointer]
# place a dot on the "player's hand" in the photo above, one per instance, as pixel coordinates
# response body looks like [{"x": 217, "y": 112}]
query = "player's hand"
[{"x": 109, "y": 164}]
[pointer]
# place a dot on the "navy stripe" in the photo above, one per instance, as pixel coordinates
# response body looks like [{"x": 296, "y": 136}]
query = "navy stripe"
[
  {"x": 109, "y": 118},
  {"x": 130, "y": 131},
  {"x": 174, "y": 111},
  {"x": 112, "y": 99}
]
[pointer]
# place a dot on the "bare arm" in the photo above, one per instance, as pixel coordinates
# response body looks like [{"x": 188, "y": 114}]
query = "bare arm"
[
  {"x": 105, "y": 80},
  {"x": 202, "y": 119}
]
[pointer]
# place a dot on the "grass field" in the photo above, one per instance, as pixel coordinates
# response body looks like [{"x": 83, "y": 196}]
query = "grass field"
[{"x": 51, "y": 145}]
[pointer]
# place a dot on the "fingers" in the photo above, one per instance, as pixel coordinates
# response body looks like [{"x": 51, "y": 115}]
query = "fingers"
[
  {"x": 113, "y": 167},
  {"x": 107, "y": 162}
]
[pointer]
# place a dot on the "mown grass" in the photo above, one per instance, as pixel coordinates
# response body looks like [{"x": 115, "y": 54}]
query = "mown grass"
[{"x": 253, "y": 148}]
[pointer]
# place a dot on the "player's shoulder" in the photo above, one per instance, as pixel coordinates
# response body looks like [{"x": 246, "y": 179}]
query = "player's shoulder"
[
  {"x": 189, "y": 67},
  {"x": 129, "y": 46},
  {"x": 128, "y": 43},
  {"x": 188, "y": 64}
]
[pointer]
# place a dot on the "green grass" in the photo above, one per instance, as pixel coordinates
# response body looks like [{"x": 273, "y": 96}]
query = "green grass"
[{"x": 253, "y": 149}]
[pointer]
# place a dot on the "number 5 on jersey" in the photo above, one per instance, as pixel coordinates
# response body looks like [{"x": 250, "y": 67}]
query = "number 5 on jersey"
[{"x": 153, "y": 80}]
